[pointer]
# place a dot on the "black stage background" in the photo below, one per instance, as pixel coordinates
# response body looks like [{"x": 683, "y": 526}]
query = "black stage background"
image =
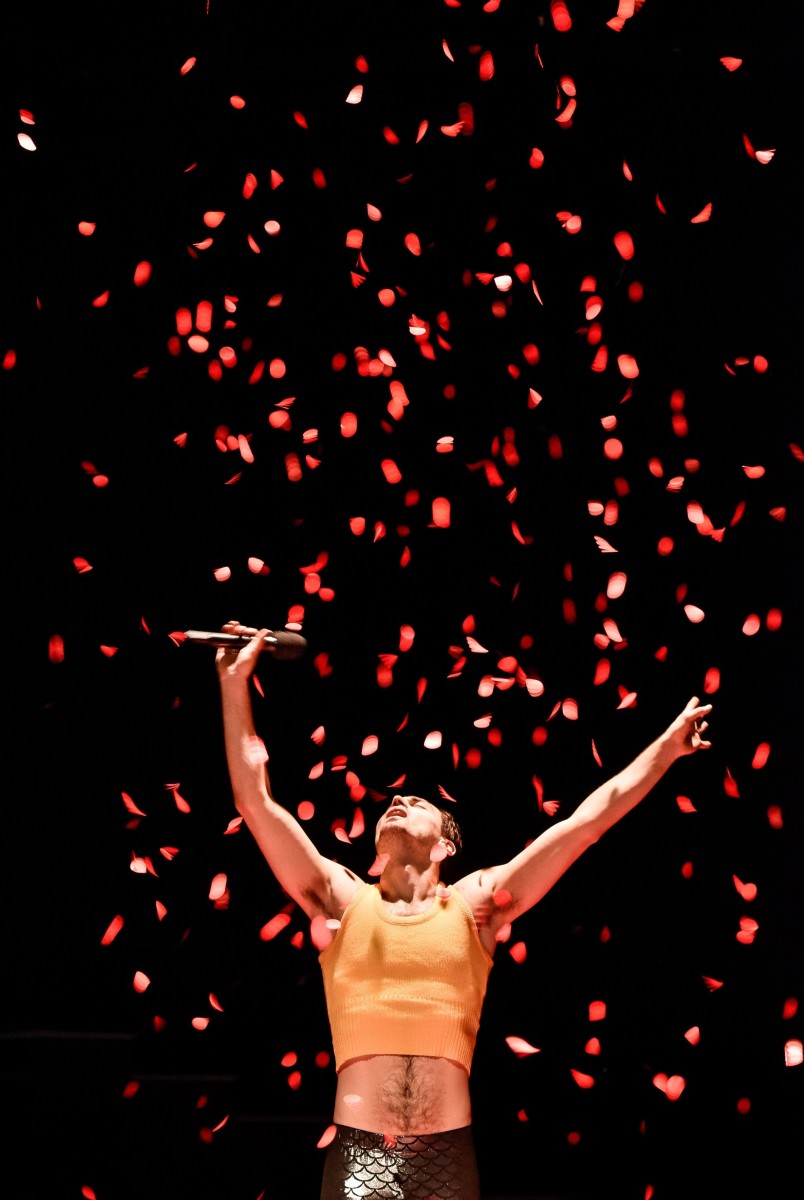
[{"x": 142, "y": 468}]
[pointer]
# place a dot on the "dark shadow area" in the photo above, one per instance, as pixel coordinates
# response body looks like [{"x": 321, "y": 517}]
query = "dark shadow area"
[{"x": 218, "y": 406}]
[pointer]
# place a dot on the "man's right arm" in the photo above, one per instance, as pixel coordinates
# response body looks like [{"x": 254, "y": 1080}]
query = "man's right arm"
[{"x": 317, "y": 884}]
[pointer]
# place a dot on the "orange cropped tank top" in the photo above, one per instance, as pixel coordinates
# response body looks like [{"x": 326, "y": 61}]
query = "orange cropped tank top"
[{"x": 405, "y": 984}]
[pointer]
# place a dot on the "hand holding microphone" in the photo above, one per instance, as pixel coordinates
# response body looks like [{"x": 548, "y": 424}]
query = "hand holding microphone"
[{"x": 280, "y": 643}]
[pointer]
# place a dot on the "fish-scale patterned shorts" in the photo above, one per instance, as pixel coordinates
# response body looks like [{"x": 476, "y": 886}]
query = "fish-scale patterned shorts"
[{"x": 376, "y": 1166}]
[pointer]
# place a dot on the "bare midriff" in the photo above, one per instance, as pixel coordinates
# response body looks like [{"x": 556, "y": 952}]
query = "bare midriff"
[{"x": 402, "y": 1094}]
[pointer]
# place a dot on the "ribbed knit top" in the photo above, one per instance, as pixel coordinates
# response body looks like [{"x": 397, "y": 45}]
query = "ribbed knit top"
[{"x": 405, "y": 984}]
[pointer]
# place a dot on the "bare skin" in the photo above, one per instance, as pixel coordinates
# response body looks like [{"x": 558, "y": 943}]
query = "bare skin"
[{"x": 416, "y": 1094}]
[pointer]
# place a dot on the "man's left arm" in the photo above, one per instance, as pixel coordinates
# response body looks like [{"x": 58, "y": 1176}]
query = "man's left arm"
[{"x": 505, "y": 892}]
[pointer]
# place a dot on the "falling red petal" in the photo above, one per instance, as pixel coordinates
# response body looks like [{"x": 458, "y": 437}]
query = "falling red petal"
[
  {"x": 712, "y": 984},
  {"x": 748, "y": 891},
  {"x": 112, "y": 930},
  {"x": 702, "y": 216},
  {"x": 520, "y": 1047},
  {"x": 560, "y": 15},
  {"x": 131, "y": 806},
  {"x": 275, "y": 926},
  {"x": 730, "y": 785}
]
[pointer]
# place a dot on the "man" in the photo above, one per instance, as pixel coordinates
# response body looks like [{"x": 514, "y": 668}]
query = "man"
[{"x": 405, "y": 973}]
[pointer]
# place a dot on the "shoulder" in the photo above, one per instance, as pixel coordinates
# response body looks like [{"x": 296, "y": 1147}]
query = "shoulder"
[
  {"x": 477, "y": 893},
  {"x": 476, "y": 889},
  {"x": 345, "y": 887}
]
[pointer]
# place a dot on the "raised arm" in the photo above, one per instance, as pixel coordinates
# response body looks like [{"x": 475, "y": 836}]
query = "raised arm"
[
  {"x": 502, "y": 893},
  {"x": 317, "y": 884}
]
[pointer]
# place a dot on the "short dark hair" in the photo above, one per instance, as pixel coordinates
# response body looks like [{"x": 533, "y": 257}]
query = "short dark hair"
[{"x": 450, "y": 829}]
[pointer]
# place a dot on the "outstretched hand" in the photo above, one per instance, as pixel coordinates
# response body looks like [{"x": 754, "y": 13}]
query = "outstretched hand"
[
  {"x": 240, "y": 660},
  {"x": 686, "y": 732}
]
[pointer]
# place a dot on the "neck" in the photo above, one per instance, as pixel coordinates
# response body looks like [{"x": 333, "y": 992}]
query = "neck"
[{"x": 408, "y": 881}]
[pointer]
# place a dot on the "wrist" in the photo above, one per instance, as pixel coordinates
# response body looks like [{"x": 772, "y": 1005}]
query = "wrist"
[
  {"x": 669, "y": 746},
  {"x": 232, "y": 680}
]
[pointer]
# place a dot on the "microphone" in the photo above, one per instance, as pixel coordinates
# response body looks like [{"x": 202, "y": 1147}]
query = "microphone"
[{"x": 280, "y": 643}]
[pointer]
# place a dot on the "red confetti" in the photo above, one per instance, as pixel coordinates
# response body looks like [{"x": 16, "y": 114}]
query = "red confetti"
[
  {"x": 672, "y": 1086},
  {"x": 748, "y": 891},
  {"x": 518, "y": 952},
  {"x": 378, "y": 866},
  {"x": 793, "y": 1053},
  {"x": 520, "y": 1047},
  {"x": 624, "y": 244},
  {"x": 773, "y": 620},
  {"x": 730, "y": 785},
  {"x": 560, "y": 15},
  {"x": 702, "y": 216},
  {"x": 712, "y": 984},
  {"x": 275, "y": 926},
  {"x": 112, "y": 930},
  {"x": 131, "y": 806},
  {"x": 441, "y": 512},
  {"x": 322, "y": 931},
  {"x": 326, "y": 1137},
  {"x": 761, "y": 755},
  {"x": 711, "y": 681},
  {"x": 218, "y": 887},
  {"x": 748, "y": 930}
]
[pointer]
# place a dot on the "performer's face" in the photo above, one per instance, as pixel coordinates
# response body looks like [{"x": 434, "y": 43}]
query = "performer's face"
[{"x": 412, "y": 817}]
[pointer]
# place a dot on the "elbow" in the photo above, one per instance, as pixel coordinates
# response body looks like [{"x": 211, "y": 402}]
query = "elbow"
[
  {"x": 247, "y": 801},
  {"x": 587, "y": 832}
]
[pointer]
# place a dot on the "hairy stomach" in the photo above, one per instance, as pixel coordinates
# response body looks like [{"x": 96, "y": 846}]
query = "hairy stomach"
[{"x": 402, "y": 1094}]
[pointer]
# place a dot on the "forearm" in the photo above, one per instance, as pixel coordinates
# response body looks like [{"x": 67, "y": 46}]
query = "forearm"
[
  {"x": 300, "y": 869},
  {"x": 532, "y": 873},
  {"x": 245, "y": 754},
  {"x": 611, "y": 801}
]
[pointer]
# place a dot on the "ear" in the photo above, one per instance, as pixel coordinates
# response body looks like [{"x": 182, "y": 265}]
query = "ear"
[{"x": 450, "y": 846}]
